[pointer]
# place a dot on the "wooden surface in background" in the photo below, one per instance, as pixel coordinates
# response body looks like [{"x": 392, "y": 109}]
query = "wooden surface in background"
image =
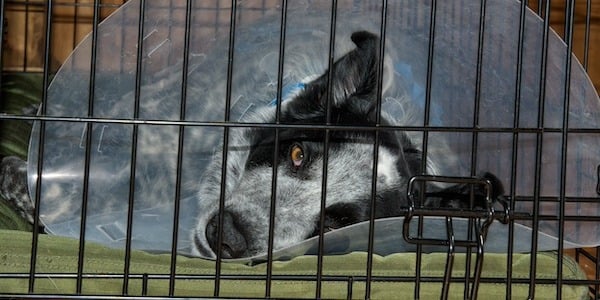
[
  {"x": 72, "y": 21},
  {"x": 25, "y": 29},
  {"x": 581, "y": 31}
]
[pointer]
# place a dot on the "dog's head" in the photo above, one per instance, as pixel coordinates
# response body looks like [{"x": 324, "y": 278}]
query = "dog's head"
[{"x": 284, "y": 167}]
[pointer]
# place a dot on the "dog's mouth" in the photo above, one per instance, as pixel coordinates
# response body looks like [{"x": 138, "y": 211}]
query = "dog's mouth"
[
  {"x": 235, "y": 245},
  {"x": 233, "y": 240}
]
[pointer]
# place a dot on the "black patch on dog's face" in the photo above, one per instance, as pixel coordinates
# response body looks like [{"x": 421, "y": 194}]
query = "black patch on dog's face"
[
  {"x": 346, "y": 97},
  {"x": 356, "y": 111},
  {"x": 351, "y": 101}
]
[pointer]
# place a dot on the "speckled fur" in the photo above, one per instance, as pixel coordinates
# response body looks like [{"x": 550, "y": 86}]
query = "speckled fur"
[
  {"x": 13, "y": 186},
  {"x": 298, "y": 198}
]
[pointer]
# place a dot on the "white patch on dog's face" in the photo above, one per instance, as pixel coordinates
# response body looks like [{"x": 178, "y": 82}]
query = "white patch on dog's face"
[
  {"x": 387, "y": 172},
  {"x": 248, "y": 191},
  {"x": 298, "y": 199}
]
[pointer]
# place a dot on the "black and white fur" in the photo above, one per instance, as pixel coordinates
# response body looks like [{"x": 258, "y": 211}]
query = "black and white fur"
[
  {"x": 13, "y": 186},
  {"x": 252, "y": 152}
]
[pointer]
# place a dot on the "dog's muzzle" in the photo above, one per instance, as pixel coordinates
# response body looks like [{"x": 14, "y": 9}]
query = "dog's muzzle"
[{"x": 233, "y": 243}]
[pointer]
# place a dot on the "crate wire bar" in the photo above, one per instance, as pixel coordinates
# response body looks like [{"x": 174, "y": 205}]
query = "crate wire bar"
[{"x": 479, "y": 220}]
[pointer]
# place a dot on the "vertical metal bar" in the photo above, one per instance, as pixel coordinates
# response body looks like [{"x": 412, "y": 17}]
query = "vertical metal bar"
[
  {"x": 144, "y": 284},
  {"x": 330, "y": 64},
  {"x": 230, "y": 59},
  {"x": 331, "y": 58},
  {"x": 349, "y": 287},
  {"x": 515, "y": 144},
  {"x": 273, "y": 206},
  {"x": 41, "y": 141},
  {"x": 88, "y": 147},
  {"x": 449, "y": 259},
  {"x": 180, "y": 146},
  {"x": 134, "y": 139},
  {"x": 75, "y": 25},
  {"x": 428, "y": 83},
  {"x": 477, "y": 100},
  {"x": 170, "y": 25},
  {"x": 470, "y": 226},
  {"x": 321, "y": 252},
  {"x": 569, "y": 20},
  {"x": 26, "y": 34},
  {"x": 425, "y": 143},
  {"x": 281, "y": 59},
  {"x": 379, "y": 71},
  {"x": 122, "y": 34},
  {"x": 475, "y": 135},
  {"x": 538, "y": 155},
  {"x": 419, "y": 253},
  {"x": 586, "y": 47},
  {"x": 478, "y": 259}
]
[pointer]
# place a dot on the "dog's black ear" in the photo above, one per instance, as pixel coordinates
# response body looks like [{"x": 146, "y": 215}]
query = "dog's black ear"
[{"x": 353, "y": 78}]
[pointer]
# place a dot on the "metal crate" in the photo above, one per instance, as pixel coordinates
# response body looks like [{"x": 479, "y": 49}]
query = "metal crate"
[{"x": 38, "y": 36}]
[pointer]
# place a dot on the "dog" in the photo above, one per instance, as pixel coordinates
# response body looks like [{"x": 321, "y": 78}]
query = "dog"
[
  {"x": 344, "y": 96},
  {"x": 298, "y": 154}
]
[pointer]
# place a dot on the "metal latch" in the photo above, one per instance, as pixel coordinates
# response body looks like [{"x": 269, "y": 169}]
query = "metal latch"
[{"x": 481, "y": 209}]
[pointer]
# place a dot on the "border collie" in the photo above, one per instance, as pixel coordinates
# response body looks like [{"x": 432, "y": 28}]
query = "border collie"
[{"x": 296, "y": 154}]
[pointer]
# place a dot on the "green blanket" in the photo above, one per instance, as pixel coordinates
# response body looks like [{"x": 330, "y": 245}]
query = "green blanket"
[
  {"x": 58, "y": 255},
  {"x": 9, "y": 219}
]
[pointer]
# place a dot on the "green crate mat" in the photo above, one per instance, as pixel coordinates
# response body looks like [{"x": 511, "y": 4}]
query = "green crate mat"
[{"x": 59, "y": 255}]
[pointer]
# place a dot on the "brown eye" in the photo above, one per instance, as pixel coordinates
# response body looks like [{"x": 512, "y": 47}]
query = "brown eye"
[{"x": 297, "y": 155}]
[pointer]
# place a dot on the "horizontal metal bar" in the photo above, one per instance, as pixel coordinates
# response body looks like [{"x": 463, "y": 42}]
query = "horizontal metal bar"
[
  {"x": 300, "y": 278},
  {"x": 453, "y": 212},
  {"x": 5, "y": 116}
]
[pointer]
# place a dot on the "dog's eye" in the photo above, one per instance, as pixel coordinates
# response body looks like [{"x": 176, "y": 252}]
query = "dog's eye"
[{"x": 297, "y": 155}]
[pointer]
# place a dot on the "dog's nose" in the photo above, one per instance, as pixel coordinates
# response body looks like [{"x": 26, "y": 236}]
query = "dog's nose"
[{"x": 233, "y": 243}]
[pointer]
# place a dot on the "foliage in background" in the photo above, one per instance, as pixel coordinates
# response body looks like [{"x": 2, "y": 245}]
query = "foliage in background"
[{"x": 20, "y": 95}]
